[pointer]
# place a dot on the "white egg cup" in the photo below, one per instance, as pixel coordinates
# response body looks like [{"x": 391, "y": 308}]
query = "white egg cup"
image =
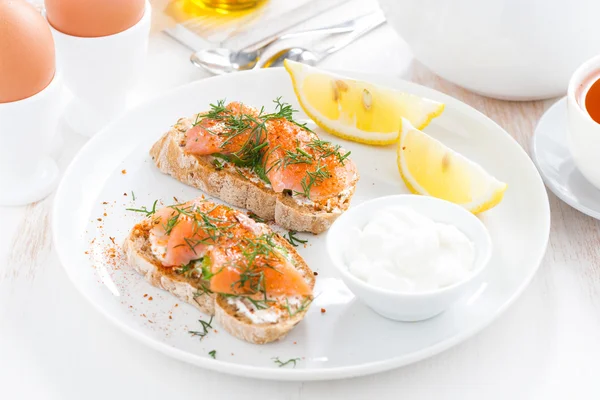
[
  {"x": 100, "y": 72},
  {"x": 27, "y": 127}
]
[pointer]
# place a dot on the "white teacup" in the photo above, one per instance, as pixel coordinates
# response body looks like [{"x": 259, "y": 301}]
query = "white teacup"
[
  {"x": 100, "y": 71},
  {"x": 27, "y": 129},
  {"x": 584, "y": 132}
]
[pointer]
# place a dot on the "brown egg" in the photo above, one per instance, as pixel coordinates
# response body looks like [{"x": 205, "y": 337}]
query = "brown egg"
[
  {"x": 94, "y": 18},
  {"x": 27, "y": 62}
]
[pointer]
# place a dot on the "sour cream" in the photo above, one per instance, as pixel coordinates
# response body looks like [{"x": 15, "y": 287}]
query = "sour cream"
[
  {"x": 257, "y": 316},
  {"x": 405, "y": 251}
]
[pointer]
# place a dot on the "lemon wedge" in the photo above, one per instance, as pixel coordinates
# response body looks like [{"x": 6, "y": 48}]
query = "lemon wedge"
[
  {"x": 357, "y": 110},
  {"x": 428, "y": 167}
]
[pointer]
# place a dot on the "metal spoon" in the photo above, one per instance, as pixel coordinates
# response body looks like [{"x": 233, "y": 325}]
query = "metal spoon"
[
  {"x": 295, "y": 54},
  {"x": 312, "y": 57},
  {"x": 222, "y": 61}
]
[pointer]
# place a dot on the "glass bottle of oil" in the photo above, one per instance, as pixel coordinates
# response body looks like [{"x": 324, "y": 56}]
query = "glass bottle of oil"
[{"x": 228, "y": 5}]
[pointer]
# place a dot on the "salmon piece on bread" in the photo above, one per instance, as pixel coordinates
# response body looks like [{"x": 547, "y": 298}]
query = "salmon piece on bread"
[
  {"x": 266, "y": 163},
  {"x": 225, "y": 264}
]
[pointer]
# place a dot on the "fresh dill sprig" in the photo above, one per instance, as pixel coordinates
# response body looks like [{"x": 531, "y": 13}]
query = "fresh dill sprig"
[
  {"x": 193, "y": 243},
  {"x": 282, "y": 110},
  {"x": 213, "y": 354},
  {"x": 298, "y": 156},
  {"x": 203, "y": 223},
  {"x": 144, "y": 210},
  {"x": 205, "y": 274},
  {"x": 240, "y": 173},
  {"x": 313, "y": 178},
  {"x": 263, "y": 245},
  {"x": 341, "y": 158},
  {"x": 327, "y": 149},
  {"x": 205, "y": 326},
  {"x": 293, "y": 239},
  {"x": 194, "y": 269},
  {"x": 261, "y": 168},
  {"x": 216, "y": 110},
  {"x": 197, "y": 120},
  {"x": 256, "y": 217},
  {"x": 250, "y": 152},
  {"x": 213, "y": 227},
  {"x": 252, "y": 280},
  {"x": 260, "y": 304},
  {"x": 258, "y": 253},
  {"x": 218, "y": 164},
  {"x": 171, "y": 222},
  {"x": 285, "y": 110},
  {"x": 186, "y": 270},
  {"x": 280, "y": 363},
  {"x": 132, "y": 196},
  {"x": 204, "y": 289},
  {"x": 301, "y": 308}
]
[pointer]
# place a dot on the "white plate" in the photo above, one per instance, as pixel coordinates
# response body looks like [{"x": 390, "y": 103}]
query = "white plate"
[
  {"x": 348, "y": 339},
  {"x": 550, "y": 152}
]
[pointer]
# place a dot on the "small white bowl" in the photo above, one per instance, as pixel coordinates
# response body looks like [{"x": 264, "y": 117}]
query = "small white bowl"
[{"x": 409, "y": 306}]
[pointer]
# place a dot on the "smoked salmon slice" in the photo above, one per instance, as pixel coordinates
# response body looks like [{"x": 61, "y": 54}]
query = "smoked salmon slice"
[
  {"x": 282, "y": 152},
  {"x": 270, "y": 274},
  {"x": 224, "y": 130},
  {"x": 304, "y": 164},
  {"x": 243, "y": 256}
]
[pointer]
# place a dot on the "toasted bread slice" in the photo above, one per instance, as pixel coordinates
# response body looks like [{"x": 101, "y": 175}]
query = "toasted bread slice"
[
  {"x": 139, "y": 256},
  {"x": 240, "y": 187},
  {"x": 253, "y": 321}
]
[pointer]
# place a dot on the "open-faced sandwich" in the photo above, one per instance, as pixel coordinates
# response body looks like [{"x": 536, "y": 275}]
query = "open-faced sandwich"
[
  {"x": 227, "y": 265},
  {"x": 267, "y": 163}
]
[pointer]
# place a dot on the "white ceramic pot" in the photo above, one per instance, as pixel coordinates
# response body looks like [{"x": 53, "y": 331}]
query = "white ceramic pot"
[
  {"x": 508, "y": 49},
  {"x": 27, "y": 128},
  {"x": 100, "y": 72}
]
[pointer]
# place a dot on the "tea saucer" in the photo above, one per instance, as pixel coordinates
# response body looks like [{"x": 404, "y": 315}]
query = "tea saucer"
[{"x": 550, "y": 153}]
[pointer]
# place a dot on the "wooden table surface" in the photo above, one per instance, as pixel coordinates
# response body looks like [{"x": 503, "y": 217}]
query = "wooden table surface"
[{"x": 54, "y": 345}]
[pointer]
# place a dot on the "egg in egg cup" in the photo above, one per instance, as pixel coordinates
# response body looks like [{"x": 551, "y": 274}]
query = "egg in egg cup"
[{"x": 30, "y": 105}]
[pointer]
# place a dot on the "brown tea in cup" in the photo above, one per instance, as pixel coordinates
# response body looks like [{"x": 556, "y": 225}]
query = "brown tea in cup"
[{"x": 588, "y": 96}]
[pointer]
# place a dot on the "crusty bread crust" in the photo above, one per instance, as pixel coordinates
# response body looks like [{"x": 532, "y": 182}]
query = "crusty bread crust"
[
  {"x": 239, "y": 191},
  {"x": 141, "y": 259},
  {"x": 226, "y": 315}
]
